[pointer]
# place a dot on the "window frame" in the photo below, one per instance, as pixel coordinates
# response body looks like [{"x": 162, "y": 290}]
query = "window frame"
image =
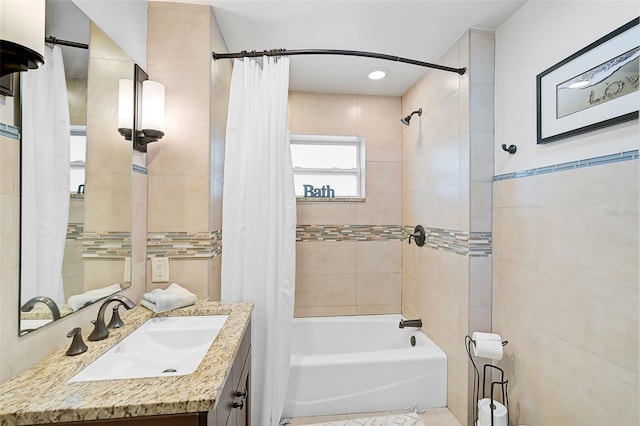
[{"x": 360, "y": 171}]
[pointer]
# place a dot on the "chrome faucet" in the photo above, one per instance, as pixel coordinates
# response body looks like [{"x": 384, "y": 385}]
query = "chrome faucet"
[
  {"x": 28, "y": 307},
  {"x": 100, "y": 330}
]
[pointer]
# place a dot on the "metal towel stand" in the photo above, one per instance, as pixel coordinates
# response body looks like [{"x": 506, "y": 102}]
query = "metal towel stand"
[{"x": 476, "y": 383}]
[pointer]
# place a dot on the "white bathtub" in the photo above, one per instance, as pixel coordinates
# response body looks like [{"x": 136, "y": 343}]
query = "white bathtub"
[{"x": 361, "y": 364}]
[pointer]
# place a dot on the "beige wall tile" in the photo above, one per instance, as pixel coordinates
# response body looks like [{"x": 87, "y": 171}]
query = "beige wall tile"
[
  {"x": 378, "y": 309},
  {"x": 215, "y": 284},
  {"x": 323, "y": 113},
  {"x": 383, "y": 177},
  {"x": 325, "y": 290},
  {"x": 174, "y": 153},
  {"x": 383, "y": 144},
  {"x": 10, "y": 157},
  {"x": 378, "y": 112},
  {"x": 379, "y": 289},
  {"x": 313, "y": 213},
  {"x": 188, "y": 42},
  {"x": 326, "y": 257},
  {"x": 178, "y": 203},
  {"x": 379, "y": 256},
  {"x": 380, "y": 209}
]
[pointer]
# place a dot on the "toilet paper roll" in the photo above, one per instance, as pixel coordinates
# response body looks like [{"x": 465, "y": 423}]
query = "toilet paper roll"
[
  {"x": 487, "y": 345},
  {"x": 477, "y": 335},
  {"x": 484, "y": 413}
]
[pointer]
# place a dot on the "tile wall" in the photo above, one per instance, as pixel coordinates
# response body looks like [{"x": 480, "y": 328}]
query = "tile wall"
[
  {"x": 349, "y": 253},
  {"x": 185, "y": 168},
  {"x": 565, "y": 235},
  {"x": 569, "y": 293},
  {"x": 446, "y": 181}
]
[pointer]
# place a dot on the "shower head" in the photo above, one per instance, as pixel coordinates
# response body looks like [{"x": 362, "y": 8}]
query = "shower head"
[{"x": 407, "y": 119}]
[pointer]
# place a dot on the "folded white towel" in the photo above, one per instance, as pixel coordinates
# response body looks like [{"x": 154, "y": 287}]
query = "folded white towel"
[
  {"x": 172, "y": 297},
  {"x": 80, "y": 300}
]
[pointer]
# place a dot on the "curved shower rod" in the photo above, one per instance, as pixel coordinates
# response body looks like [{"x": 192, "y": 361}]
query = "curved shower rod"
[{"x": 284, "y": 52}]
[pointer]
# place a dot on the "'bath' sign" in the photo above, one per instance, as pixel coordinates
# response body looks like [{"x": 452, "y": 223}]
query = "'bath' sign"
[{"x": 325, "y": 192}]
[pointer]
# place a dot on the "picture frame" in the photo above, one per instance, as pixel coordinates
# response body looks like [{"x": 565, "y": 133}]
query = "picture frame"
[{"x": 596, "y": 87}]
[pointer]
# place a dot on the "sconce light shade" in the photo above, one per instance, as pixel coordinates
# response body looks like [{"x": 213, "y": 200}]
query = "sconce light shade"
[
  {"x": 152, "y": 123},
  {"x": 125, "y": 108}
]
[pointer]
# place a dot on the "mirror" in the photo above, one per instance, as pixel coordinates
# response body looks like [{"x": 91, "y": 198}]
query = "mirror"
[{"x": 76, "y": 179}]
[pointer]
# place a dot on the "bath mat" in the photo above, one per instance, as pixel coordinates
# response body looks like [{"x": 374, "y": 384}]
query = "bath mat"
[{"x": 410, "y": 419}]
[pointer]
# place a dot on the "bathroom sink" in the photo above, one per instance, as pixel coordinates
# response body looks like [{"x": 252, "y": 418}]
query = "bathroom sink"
[{"x": 162, "y": 346}]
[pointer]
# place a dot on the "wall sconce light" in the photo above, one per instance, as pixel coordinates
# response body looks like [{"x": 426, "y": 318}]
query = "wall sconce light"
[{"x": 141, "y": 107}]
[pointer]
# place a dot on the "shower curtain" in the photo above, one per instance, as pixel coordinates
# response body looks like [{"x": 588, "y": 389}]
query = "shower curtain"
[
  {"x": 45, "y": 178},
  {"x": 259, "y": 224}
]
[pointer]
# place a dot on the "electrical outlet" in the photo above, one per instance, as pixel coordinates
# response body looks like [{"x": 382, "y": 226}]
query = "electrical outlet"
[{"x": 160, "y": 269}]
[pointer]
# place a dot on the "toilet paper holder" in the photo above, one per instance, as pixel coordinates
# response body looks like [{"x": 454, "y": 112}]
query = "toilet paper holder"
[{"x": 486, "y": 372}]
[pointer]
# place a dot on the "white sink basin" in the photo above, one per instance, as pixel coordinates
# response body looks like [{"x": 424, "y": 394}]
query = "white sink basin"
[{"x": 163, "y": 346}]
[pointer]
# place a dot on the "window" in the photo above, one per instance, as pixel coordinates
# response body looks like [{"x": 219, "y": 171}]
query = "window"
[
  {"x": 78, "y": 157},
  {"x": 328, "y": 166}
]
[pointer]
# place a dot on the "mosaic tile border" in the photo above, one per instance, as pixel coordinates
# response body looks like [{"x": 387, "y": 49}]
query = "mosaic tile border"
[
  {"x": 349, "y": 232},
  {"x": 9, "y": 131},
  {"x": 571, "y": 165},
  {"x": 184, "y": 245},
  {"x": 472, "y": 244},
  {"x": 106, "y": 245},
  {"x": 74, "y": 231}
]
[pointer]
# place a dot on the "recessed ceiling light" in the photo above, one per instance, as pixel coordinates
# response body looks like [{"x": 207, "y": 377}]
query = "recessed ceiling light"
[{"x": 377, "y": 74}]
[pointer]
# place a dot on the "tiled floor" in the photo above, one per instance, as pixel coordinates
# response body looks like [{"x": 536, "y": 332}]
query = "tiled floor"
[{"x": 431, "y": 417}]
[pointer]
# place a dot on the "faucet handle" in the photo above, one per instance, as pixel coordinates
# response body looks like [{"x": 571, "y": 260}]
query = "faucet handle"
[
  {"x": 77, "y": 344},
  {"x": 99, "y": 332},
  {"x": 116, "y": 321}
]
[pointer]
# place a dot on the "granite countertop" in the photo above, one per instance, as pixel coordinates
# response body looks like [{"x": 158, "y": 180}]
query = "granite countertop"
[{"x": 41, "y": 393}]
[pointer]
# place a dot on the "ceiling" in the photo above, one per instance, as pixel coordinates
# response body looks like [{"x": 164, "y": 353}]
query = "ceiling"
[{"x": 416, "y": 29}]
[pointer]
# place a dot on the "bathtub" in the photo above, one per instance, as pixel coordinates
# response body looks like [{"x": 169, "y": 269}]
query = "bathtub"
[{"x": 362, "y": 364}]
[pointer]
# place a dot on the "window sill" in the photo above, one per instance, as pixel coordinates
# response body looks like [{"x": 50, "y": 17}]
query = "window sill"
[{"x": 330, "y": 200}]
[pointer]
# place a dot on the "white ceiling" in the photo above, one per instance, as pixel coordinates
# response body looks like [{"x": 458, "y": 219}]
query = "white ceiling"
[{"x": 416, "y": 29}]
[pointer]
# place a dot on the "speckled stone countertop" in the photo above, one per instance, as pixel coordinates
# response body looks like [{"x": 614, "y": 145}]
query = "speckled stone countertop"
[{"x": 41, "y": 393}]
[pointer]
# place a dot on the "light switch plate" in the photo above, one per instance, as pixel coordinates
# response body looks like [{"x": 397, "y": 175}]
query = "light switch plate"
[{"x": 160, "y": 269}]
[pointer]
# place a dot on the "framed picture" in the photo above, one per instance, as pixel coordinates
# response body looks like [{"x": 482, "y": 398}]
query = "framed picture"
[{"x": 594, "y": 88}]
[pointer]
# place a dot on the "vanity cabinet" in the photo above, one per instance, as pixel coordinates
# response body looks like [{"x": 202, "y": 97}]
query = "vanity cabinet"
[{"x": 234, "y": 401}]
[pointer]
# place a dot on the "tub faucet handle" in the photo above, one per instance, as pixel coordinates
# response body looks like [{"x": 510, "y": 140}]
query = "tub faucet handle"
[{"x": 419, "y": 235}]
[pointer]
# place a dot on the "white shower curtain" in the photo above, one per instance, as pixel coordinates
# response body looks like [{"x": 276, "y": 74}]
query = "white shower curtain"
[
  {"x": 259, "y": 224},
  {"x": 45, "y": 178}
]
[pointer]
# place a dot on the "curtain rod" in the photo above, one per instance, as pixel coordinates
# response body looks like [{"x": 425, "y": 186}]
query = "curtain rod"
[
  {"x": 54, "y": 40},
  {"x": 284, "y": 52}
]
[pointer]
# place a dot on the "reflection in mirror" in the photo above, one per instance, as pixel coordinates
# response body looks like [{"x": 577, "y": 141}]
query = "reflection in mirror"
[{"x": 76, "y": 172}]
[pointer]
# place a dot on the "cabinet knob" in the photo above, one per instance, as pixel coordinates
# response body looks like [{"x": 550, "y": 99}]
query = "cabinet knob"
[
  {"x": 241, "y": 393},
  {"x": 239, "y": 404}
]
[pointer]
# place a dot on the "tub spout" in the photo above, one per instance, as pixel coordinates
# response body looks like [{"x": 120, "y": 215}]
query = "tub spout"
[{"x": 411, "y": 323}]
